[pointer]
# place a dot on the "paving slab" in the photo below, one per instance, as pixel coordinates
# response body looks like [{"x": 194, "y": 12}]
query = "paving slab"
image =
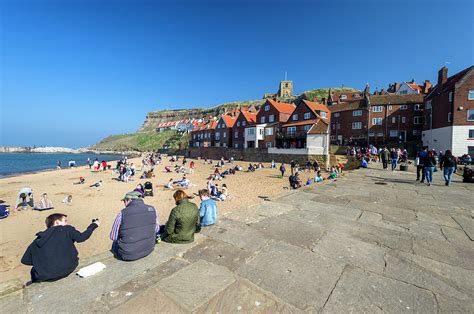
[
  {"x": 260, "y": 211},
  {"x": 289, "y": 231},
  {"x": 376, "y": 219},
  {"x": 137, "y": 286},
  {"x": 286, "y": 271},
  {"x": 219, "y": 253},
  {"x": 243, "y": 296},
  {"x": 359, "y": 291},
  {"x": 236, "y": 233},
  {"x": 196, "y": 284},
  {"x": 466, "y": 223},
  {"x": 458, "y": 236},
  {"x": 351, "y": 251},
  {"x": 449, "y": 304}
]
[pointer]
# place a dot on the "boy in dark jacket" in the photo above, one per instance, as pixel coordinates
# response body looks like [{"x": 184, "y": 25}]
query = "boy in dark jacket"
[{"x": 53, "y": 254}]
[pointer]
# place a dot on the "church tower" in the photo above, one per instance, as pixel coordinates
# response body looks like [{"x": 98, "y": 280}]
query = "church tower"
[{"x": 286, "y": 89}]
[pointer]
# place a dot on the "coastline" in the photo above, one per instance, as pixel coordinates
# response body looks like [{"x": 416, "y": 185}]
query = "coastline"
[{"x": 64, "y": 150}]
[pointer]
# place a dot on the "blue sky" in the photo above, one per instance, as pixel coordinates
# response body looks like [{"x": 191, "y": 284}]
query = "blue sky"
[{"x": 73, "y": 72}]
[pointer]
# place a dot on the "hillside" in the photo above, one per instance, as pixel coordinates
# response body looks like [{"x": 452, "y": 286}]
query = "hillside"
[
  {"x": 147, "y": 139},
  {"x": 143, "y": 141}
]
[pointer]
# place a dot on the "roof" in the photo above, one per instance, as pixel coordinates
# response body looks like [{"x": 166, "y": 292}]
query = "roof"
[
  {"x": 320, "y": 127},
  {"x": 251, "y": 117},
  {"x": 282, "y": 107},
  {"x": 304, "y": 122},
  {"x": 346, "y": 106},
  {"x": 314, "y": 106},
  {"x": 229, "y": 120},
  {"x": 414, "y": 86},
  {"x": 451, "y": 80},
  {"x": 353, "y": 95},
  {"x": 392, "y": 99}
]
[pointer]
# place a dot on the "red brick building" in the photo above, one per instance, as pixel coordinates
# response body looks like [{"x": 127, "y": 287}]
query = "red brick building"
[
  {"x": 306, "y": 114},
  {"x": 203, "y": 134},
  {"x": 223, "y": 131},
  {"x": 449, "y": 113},
  {"x": 378, "y": 119},
  {"x": 244, "y": 119}
]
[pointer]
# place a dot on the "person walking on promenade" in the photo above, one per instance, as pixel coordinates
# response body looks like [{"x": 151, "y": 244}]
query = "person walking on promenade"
[
  {"x": 292, "y": 165},
  {"x": 384, "y": 155},
  {"x": 420, "y": 164},
  {"x": 429, "y": 167},
  {"x": 448, "y": 162},
  {"x": 394, "y": 158},
  {"x": 282, "y": 169}
]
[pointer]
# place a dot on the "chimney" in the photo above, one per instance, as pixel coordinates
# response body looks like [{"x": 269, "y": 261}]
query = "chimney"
[
  {"x": 426, "y": 86},
  {"x": 323, "y": 100},
  {"x": 442, "y": 75}
]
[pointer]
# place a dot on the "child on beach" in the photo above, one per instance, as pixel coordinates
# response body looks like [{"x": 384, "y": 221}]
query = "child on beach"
[
  {"x": 318, "y": 178},
  {"x": 207, "y": 210},
  {"x": 44, "y": 203},
  {"x": 67, "y": 200},
  {"x": 169, "y": 185}
]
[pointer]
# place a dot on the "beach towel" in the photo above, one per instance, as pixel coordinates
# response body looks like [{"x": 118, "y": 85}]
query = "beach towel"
[
  {"x": 44, "y": 203},
  {"x": 4, "y": 211}
]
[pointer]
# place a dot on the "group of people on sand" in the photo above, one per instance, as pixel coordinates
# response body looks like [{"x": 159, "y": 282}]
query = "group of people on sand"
[
  {"x": 135, "y": 232},
  {"x": 25, "y": 200}
]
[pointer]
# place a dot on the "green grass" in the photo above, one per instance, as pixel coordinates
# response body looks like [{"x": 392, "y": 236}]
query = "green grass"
[{"x": 143, "y": 141}]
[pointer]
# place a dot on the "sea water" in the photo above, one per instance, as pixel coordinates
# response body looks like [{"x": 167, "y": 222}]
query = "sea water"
[{"x": 17, "y": 163}]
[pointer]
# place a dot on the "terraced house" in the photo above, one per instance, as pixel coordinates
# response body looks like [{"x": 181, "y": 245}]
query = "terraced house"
[
  {"x": 294, "y": 133},
  {"x": 449, "y": 113},
  {"x": 223, "y": 131},
  {"x": 203, "y": 134},
  {"x": 244, "y": 119}
]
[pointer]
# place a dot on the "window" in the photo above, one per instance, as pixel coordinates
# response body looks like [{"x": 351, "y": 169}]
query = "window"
[
  {"x": 251, "y": 131},
  {"x": 236, "y": 145},
  {"x": 450, "y": 96},
  {"x": 236, "y": 134},
  {"x": 377, "y": 109},
  {"x": 393, "y": 120},
  {"x": 262, "y": 119},
  {"x": 260, "y": 131},
  {"x": 267, "y": 107},
  {"x": 238, "y": 123},
  {"x": 403, "y": 119},
  {"x": 403, "y": 107},
  {"x": 418, "y": 107},
  {"x": 377, "y": 121},
  {"x": 449, "y": 116},
  {"x": 371, "y": 134},
  {"x": 224, "y": 134},
  {"x": 356, "y": 95},
  {"x": 470, "y": 94},
  {"x": 343, "y": 97},
  {"x": 295, "y": 117},
  {"x": 244, "y": 123},
  {"x": 307, "y": 127},
  {"x": 357, "y": 113},
  {"x": 389, "y": 107},
  {"x": 269, "y": 144},
  {"x": 271, "y": 118},
  {"x": 393, "y": 133},
  {"x": 333, "y": 126},
  {"x": 291, "y": 130},
  {"x": 307, "y": 115},
  {"x": 338, "y": 126},
  {"x": 336, "y": 114},
  {"x": 356, "y": 125},
  {"x": 268, "y": 131},
  {"x": 380, "y": 134},
  {"x": 470, "y": 115},
  {"x": 194, "y": 136},
  {"x": 323, "y": 114},
  {"x": 218, "y": 136},
  {"x": 418, "y": 120},
  {"x": 471, "y": 133},
  {"x": 403, "y": 92},
  {"x": 416, "y": 132}
]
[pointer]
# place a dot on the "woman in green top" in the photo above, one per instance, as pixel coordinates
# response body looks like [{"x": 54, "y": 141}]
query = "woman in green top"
[{"x": 183, "y": 220}]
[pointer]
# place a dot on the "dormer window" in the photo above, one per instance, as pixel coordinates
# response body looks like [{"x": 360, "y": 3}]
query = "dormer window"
[
  {"x": 238, "y": 123},
  {"x": 307, "y": 115},
  {"x": 243, "y": 123},
  {"x": 262, "y": 119},
  {"x": 343, "y": 97},
  {"x": 323, "y": 114},
  {"x": 295, "y": 117},
  {"x": 267, "y": 107}
]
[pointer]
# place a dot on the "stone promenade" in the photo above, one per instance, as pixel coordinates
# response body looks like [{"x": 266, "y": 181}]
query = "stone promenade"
[{"x": 374, "y": 241}]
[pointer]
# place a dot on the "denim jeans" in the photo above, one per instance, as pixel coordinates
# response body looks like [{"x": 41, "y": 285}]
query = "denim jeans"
[
  {"x": 394, "y": 164},
  {"x": 429, "y": 174},
  {"x": 448, "y": 174}
]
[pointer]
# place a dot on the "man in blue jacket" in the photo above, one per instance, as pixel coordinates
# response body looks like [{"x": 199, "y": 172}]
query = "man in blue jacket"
[{"x": 208, "y": 209}]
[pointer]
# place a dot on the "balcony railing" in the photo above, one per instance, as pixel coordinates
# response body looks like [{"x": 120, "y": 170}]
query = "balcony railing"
[{"x": 290, "y": 135}]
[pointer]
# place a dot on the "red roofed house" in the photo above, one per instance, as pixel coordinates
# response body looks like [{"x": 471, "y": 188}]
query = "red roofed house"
[
  {"x": 307, "y": 113},
  {"x": 408, "y": 88},
  {"x": 244, "y": 119},
  {"x": 269, "y": 119},
  {"x": 203, "y": 134},
  {"x": 223, "y": 131},
  {"x": 449, "y": 113}
]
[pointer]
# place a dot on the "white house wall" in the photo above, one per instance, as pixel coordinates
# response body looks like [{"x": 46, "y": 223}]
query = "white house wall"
[
  {"x": 438, "y": 139},
  {"x": 461, "y": 139}
]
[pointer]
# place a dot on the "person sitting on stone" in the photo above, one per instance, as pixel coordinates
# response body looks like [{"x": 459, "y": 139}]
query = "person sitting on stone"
[
  {"x": 207, "y": 210},
  {"x": 53, "y": 254},
  {"x": 135, "y": 229},
  {"x": 183, "y": 221}
]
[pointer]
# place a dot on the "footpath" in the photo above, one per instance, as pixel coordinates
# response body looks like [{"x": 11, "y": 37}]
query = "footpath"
[{"x": 374, "y": 241}]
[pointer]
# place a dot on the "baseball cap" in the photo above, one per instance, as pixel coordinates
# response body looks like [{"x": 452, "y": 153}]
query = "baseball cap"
[{"x": 132, "y": 196}]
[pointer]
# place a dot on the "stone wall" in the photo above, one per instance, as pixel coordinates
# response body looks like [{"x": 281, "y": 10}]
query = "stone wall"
[{"x": 249, "y": 154}]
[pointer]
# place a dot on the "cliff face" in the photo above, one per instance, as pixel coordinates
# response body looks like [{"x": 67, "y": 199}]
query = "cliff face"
[{"x": 154, "y": 118}]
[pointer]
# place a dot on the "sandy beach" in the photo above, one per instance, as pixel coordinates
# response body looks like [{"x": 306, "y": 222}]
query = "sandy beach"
[{"x": 19, "y": 229}]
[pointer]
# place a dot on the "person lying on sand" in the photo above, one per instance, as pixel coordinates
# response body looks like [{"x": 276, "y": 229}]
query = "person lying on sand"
[{"x": 97, "y": 184}]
